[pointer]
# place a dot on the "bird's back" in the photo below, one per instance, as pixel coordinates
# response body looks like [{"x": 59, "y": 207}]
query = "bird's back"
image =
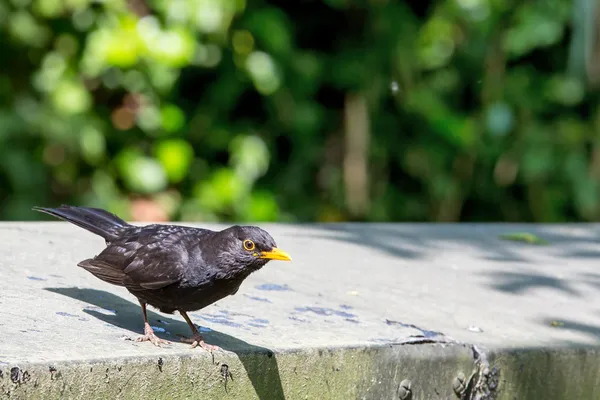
[{"x": 148, "y": 257}]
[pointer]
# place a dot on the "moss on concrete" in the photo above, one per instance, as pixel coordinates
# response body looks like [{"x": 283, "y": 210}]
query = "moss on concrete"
[
  {"x": 560, "y": 373},
  {"x": 339, "y": 373},
  {"x": 369, "y": 373}
]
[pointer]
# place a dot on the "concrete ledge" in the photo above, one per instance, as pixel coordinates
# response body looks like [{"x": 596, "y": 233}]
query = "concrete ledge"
[
  {"x": 362, "y": 310},
  {"x": 310, "y": 374}
]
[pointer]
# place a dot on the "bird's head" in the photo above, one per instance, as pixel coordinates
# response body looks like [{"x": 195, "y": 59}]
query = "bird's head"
[{"x": 250, "y": 246}]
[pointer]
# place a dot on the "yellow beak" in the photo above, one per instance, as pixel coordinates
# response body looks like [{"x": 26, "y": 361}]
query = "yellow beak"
[{"x": 275, "y": 254}]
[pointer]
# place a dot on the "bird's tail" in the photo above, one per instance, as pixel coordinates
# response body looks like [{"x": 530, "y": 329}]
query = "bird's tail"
[{"x": 95, "y": 220}]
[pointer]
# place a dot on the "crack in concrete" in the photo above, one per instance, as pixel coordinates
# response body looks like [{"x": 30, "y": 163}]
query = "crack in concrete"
[{"x": 482, "y": 384}]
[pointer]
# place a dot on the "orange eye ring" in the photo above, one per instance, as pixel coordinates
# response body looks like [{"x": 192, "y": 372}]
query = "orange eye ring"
[{"x": 249, "y": 245}]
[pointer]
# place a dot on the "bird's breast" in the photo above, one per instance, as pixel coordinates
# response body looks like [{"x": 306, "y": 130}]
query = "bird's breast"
[{"x": 187, "y": 297}]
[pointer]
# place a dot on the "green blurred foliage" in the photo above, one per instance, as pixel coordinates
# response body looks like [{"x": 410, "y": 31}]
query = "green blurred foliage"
[{"x": 231, "y": 110}]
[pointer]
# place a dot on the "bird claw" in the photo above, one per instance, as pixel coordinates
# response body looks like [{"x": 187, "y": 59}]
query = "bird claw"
[
  {"x": 152, "y": 338},
  {"x": 208, "y": 347},
  {"x": 198, "y": 341}
]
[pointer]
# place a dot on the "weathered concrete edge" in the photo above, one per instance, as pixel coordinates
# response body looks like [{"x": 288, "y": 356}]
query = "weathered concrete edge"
[
  {"x": 342, "y": 373},
  {"x": 435, "y": 370}
]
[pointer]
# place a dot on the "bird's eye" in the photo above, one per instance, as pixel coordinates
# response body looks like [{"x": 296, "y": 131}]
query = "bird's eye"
[{"x": 249, "y": 245}]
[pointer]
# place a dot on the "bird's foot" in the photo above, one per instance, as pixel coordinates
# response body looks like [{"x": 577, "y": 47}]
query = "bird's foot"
[
  {"x": 150, "y": 336},
  {"x": 198, "y": 341}
]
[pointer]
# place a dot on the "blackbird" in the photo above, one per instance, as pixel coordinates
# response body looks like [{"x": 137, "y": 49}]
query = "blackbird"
[{"x": 171, "y": 267}]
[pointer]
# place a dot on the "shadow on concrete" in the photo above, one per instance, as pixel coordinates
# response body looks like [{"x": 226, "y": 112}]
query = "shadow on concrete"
[
  {"x": 420, "y": 241},
  {"x": 519, "y": 283},
  {"x": 518, "y": 270},
  {"x": 259, "y": 362},
  {"x": 591, "y": 279},
  {"x": 414, "y": 241},
  {"x": 592, "y": 331}
]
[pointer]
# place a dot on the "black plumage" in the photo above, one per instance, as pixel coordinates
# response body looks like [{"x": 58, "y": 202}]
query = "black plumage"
[{"x": 172, "y": 267}]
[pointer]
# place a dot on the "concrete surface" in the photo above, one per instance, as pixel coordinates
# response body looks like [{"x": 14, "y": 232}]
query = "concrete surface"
[{"x": 359, "y": 310}]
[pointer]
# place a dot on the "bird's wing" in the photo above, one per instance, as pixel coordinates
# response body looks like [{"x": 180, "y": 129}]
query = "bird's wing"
[
  {"x": 150, "y": 259},
  {"x": 155, "y": 268},
  {"x": 102, "y": 270}
]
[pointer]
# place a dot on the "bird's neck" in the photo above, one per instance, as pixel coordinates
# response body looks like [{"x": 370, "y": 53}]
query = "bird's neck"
[{"x": 233, "y": 269}]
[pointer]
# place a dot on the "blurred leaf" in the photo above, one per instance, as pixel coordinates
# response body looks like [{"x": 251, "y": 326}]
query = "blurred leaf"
[
  {"x": 149, "y": 118},
  {"x": 140, "y": 173},
  {"x": 120, "y": 45},
  {"x": 436, "y": 43},
  {"x": 262, "y": 207},
  {"x": 176, "y": 156},
  {"x": 264, "y": 72},
  {"x": 25, "y": 28},
  {"x": 272, "y": 29},
  {"x": 535, "y": 27},
  {"x": 250, "y": 157},
  {"x": 70, "y": 97},
  {"x": 48, "y": 8},
  {"x": 537, "y": 163},
  {"x": 93, "y": 144},
  {"x": 308, "y": 117},
  {"x": 173, "y": 118},
  {"x": 565, "y": 90},
  {"x": 222, "y": 191},
  {"x": 174, "y": 48}
]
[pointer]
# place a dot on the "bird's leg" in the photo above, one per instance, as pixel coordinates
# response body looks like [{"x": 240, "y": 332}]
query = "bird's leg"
[
  {"x": 149, "y": 334},
  {"x": 197, "y": 339}
]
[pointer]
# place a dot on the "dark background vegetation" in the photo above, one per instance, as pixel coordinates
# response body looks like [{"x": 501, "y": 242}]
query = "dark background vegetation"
[{"x": 331, "y": 110}]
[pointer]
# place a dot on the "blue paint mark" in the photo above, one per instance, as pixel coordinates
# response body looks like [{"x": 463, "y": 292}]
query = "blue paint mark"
[
  {"x": 222, "y": 321},
  {"x": 325, "y": 311},
  {"x": 345, "y": 307},
  {"x": 355, "y": 321},
  {"x": 273, "y": 287},
  {"x": 263, "y": 299},
  {"x": 298, "y": 319},
  {"x": 160, "y": 321},
  {"x": 426, "y": 333},
  {"x": 36, "y": 278},
  {"x": 55, "y": 276},
  {"x": 224, "y": 314},
  {"x": 100, "y": 310},
  {"x": 158, "y": 329},
  {"x": 64, "y": 314},
  {"x": 204, "y": 329},
  {"x": 220, "y": 316},
  {"x": 260, "y": 321},
  {"x": 257, "y": 325},
  {"x": 228, "y": 313}
]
